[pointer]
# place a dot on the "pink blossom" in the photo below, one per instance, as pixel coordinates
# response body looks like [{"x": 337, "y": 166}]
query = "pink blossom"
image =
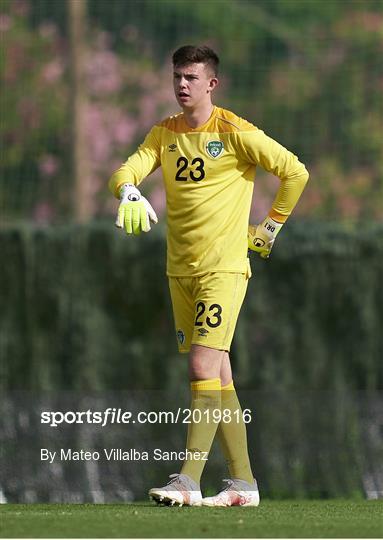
[
  {"x": 103, "y": 73},
  {"x": 43, "y": 212},
  {"x": 20, "y": 7},
  {"x": 310, "y": 203},
  {"x": 349, "y": 206},
  {"x": 124, "y": 129},
  {"x": 374, "y": 21},
  {"x": 29, "y": 113},
  {"x": 15, "y": 62},
  {"x": 97, "y": 134},
  {"x": 115, "y": 164},
  {"x": 333, "y": 57},
  {"x": 48, "y": 30},
  {"x": 5, "y": 22},
  {"x": 260, "y": 206},
  {"x": 148, "y": 80},
  {"x": 148, "y": 110},
  {"x": 371, "y": 21},
  {"x": 52, "y": 71},
  {"x": 100, "y": 147},
  {"x": 165, "y": 94},
  {"x": 48, "y": 165}
]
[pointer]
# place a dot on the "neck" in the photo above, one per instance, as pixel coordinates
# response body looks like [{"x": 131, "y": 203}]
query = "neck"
[{"x": 199, "y": 115}]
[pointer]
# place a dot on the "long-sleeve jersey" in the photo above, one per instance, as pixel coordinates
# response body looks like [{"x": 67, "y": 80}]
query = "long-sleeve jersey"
[{"x": 209, "y": 174}]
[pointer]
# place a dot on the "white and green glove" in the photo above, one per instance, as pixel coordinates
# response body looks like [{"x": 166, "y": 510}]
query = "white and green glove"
[
  {"x": 135, "y": 212},
  {"x": 261, "y": 237}
]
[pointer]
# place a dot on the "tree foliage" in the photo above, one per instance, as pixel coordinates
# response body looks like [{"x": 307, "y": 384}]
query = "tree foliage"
[{"x": 308, "y": 73}]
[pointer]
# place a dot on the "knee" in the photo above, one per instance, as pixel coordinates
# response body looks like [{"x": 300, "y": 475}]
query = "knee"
[{"x": 204, "y": 363}]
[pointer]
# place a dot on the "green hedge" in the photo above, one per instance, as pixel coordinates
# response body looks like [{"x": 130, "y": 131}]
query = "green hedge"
[{"x": 86, "y": 308}]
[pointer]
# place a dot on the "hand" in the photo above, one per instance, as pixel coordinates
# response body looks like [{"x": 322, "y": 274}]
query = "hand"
[
  {"x": 260, "y": 238},
  {"x": 134, "y": 212}
]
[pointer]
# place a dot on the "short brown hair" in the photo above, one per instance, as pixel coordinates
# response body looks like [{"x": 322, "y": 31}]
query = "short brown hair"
[{"x": 189, "y": 54}]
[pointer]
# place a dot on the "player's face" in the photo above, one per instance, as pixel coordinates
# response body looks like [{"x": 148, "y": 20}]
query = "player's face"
[{"x": 193, "y": 85}]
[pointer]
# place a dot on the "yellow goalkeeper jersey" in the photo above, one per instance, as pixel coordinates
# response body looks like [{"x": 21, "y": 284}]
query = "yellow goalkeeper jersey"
[{"x": 209, "y": 174}]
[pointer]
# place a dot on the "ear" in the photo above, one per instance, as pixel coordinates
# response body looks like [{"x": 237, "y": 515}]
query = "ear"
[{"x": 212, "y": 84}]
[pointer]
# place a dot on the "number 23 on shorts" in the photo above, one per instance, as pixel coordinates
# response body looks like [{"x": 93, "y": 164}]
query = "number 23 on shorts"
[{"x": 213, "y": 317}]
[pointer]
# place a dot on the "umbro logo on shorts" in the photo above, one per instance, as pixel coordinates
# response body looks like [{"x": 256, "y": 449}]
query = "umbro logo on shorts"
[
  {"x": 202, "y": 332},
  {"x": 172, "y": 147}
]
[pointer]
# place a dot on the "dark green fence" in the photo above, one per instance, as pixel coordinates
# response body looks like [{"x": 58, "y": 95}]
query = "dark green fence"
[{"x": 88, "y": 308}]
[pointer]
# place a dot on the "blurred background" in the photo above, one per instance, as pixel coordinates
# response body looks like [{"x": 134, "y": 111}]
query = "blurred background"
[{"x": 85, "y": 312}]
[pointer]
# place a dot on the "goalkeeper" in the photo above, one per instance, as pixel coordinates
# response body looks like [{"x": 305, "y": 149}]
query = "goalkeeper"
[{"x": 209, "y": 158}]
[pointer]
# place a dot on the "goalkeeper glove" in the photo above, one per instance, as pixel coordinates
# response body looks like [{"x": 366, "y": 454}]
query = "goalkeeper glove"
[
  {"x": 134, "y": 212},
  {"x": 261, "y": 237}
]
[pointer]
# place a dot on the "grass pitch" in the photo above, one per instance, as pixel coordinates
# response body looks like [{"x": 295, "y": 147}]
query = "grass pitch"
[{"x": 294, "y": 519}]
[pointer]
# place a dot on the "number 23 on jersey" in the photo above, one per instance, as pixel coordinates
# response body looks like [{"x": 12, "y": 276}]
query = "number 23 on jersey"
[{"x": 195, "y": 171}]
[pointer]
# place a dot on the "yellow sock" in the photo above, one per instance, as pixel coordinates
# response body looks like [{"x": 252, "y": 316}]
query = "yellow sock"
[
  {"x": 232, "y": 436},
  {"x": 206, "y": 396}
]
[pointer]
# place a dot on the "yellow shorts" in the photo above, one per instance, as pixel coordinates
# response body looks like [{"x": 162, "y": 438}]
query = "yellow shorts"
[{"x": 206, "y": 308}]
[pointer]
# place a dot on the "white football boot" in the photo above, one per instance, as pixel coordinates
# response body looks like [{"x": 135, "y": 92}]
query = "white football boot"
[
  {"x": 181, "y": 490},
  {"x": 236, "y": 493}
]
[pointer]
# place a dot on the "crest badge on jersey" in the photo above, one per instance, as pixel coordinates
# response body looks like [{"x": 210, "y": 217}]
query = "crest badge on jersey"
[
  {"x": 214, "y": 148},
  {"x": 181, "y": 337}
]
